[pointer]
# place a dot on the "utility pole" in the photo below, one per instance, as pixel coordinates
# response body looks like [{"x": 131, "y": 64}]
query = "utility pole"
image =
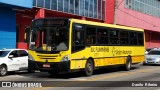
[{"x": 115, "y": 11}]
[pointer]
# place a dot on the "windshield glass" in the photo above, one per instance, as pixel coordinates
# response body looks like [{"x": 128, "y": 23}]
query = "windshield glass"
[
  {"x": 154, "y": 53},
  {"x": 3, "y": 53},
  {"x": 49, "y": 39}
]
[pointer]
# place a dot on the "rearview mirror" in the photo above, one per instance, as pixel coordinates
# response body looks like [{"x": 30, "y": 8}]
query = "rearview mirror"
[{"x": 10, "y": 56}]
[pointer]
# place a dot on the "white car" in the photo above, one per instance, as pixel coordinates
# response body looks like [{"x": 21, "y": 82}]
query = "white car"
[
  {"x": 153, "y": 57},
  {"x": 13, "y": 60}
]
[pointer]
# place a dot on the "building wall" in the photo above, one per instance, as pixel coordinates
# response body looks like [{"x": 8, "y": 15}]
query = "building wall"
[
  {"x": 109, "y": 11},
  {"x": 7, "y": 28},
  {"x": 18, "y": 3},
  {"x": 8, "y": 21},
  {"x": 128, "y": 17}
]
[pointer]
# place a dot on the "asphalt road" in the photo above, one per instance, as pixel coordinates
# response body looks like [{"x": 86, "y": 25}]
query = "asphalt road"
[{"x": 138, "y": 78}]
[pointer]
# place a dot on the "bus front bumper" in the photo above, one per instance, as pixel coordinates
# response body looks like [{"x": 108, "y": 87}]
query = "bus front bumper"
[{"x": 49, "y": 66}]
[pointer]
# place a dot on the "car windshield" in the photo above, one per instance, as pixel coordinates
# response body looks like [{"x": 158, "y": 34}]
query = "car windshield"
[
  {"x": 148, "y": 49},
  {"x": 3, "y": 53},
  {"x": 154, "y": 53}
]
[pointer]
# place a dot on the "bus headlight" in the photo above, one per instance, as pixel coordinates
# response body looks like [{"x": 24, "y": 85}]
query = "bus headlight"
[
  {"x": 65, "y": 58},
  {"x": 30, "y": 57}
]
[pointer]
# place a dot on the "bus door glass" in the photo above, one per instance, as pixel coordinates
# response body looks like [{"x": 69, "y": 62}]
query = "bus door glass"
[{"x": 78, "y": 42}]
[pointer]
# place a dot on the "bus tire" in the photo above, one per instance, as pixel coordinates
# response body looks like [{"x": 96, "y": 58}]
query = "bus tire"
[
  {"x": 89, "y": 67},
  {"x": 3, "y": 70},
  {"x": 128, "y": 64}
]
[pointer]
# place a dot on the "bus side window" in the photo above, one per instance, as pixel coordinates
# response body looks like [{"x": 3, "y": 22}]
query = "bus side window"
[
  {"x": 90, "y": 35},
  {"x": 114, "y": 37},
  {"x": 102, "y": 36},
  {"x": 124, "y": 37},
  {"x": 133, "y": 38}
]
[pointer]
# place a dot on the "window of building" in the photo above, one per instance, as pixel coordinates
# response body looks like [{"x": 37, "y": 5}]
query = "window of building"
[
  {"x": 71, "y": 8},
  {"x": 76, "y": 7},
  {"x": 91, "y": 8},
  {"x": 155, "y": 36},
  {"x": 150, "y": 7},
  {"x": 47, "y": 4},
  {"x": 40, "y": 3},
  {"x": 60, "y": 5},
  {"x": 95, "y": 8},
  {"x": 54, "y": 5},
  {"x": 66, "y": 5},
  {"x": 88, "y": 8}
]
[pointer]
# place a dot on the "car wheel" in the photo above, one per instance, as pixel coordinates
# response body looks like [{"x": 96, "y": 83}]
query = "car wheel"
[
  {"x": 3, "y": 70},
  {"x": 89, "y": 67}
]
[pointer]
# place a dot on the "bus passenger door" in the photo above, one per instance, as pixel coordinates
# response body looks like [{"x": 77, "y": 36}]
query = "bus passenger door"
[{"x": 78, "y": 42}]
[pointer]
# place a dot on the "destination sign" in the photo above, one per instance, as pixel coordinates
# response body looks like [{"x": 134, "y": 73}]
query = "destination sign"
[{"x": 50, "y": 22}]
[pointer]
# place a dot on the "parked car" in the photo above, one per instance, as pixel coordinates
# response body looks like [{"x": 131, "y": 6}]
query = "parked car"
[
  {"x": 153, "y": 57},
  {"x": 13, "y": 60}
]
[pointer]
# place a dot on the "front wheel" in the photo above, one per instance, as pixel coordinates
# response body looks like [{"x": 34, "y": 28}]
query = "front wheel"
[
  {"x": 3, "y": 70},
  {"x": 89, "y": 68}
]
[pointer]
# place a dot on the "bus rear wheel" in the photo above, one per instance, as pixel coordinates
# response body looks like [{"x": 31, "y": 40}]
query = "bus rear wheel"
[
  {"x": 128, "y": 64},
  {"x": 89, "y": 67}
]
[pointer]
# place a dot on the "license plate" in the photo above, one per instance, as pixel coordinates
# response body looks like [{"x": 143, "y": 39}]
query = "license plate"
[{"x": 46, "y": 65}]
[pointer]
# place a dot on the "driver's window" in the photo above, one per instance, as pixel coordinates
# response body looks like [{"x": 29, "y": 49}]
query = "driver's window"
[{"x": 14, "y": 53}]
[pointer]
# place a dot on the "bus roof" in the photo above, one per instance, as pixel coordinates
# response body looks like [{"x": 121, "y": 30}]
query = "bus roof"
[{"x": 105, "y": 25}]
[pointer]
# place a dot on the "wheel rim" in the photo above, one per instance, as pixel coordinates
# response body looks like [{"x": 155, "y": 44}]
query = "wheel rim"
[
  {"x": 89, "y": 67},
  {"x": 3, "y": 71},
  {"x": 129, "y": 65}
]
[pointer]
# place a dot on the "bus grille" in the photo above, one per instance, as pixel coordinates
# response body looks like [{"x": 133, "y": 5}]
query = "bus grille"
[{"x": 47, "y": 56}]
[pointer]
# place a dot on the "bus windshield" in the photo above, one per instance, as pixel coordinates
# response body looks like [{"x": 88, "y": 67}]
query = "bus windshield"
[{"x": 49, "y": 39}]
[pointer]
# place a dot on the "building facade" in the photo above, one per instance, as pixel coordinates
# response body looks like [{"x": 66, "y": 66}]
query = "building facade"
[
  {"x": 8, "y": 21},
  {"x": 135, "y": 13},
  {"x": 92, "y": 10},
  {"x": 141, "y": 14}
]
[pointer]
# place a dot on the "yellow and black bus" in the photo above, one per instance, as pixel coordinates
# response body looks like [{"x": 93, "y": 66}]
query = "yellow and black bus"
[{"x": 64, "y": 45}]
